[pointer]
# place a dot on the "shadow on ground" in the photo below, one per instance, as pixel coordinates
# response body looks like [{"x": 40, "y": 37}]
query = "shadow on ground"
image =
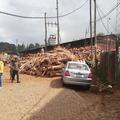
[
  {"x": 57, "y": 83},
  {"x": 64, "y": 106}
]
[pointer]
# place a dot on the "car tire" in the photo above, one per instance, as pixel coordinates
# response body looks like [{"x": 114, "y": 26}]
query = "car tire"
[
  {"x": 87, "y": 87},
  {"x": 64, "y": 85}
]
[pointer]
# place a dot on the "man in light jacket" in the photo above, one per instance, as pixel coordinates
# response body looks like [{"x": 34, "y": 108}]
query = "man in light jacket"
[{"x": 1, "y": 71}]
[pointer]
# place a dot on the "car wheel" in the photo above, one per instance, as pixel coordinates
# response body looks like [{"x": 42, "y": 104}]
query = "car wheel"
[
  {"x": 63, "y": 83},
  {"x": 87, "y": 87}
]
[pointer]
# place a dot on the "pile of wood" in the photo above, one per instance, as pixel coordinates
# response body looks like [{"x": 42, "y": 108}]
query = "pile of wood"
[
  {"x": 51, "y": 63},
  {"x": 46, "y": 64},
  {"x": 85, "y": 53}
]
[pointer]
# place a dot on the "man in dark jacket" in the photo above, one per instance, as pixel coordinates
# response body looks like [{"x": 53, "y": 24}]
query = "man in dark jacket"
[{"x": 15, "y": 70}]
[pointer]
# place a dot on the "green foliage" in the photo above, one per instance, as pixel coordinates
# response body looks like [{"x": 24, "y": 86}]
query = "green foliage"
[
  {"x": 37, "y": 45},
  {"x": 31, "y": 46},
  {"x": 118, "y": 35},
  {"x": 20, "y": 47},
  {"x": 11, "y": 48},
  {"x": 6, "y": 47},
  {"x": 100, "y": 34}
]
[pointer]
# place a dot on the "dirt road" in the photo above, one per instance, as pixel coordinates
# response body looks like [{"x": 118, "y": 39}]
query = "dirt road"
[
  {"x": 20, "y": 101},
  {"x": 46, "y": 99},
  {"x": 17, "y": 98}
]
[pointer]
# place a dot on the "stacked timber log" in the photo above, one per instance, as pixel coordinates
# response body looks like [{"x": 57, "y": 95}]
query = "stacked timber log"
[
  {"x": 85, "y": 53},
  {"x": 46, "y": 64},
  {"x": 51, "y": 63}
]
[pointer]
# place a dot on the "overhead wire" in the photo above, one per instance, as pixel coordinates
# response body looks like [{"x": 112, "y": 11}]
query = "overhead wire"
[
  {"x": 63, "y": 5},
  {"x": 41, "y": 17},
  {"x": 118, "y": 13},
  {"x": 117, "y": 18},
  {"x": 66, "y": 6},
  {"x": 102, "y": 20},
  {"x": 74, "y": 9},
  {"x": 108, "y": 13},
  {"x": 100, "y": 10},
  {"x": 21, "y": 16},
  {"x": 103, "y": 14}
]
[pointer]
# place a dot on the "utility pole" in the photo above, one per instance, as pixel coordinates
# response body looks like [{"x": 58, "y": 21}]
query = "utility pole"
[
  {"x": 17, "y": 46},
  {"x": 95, "y": 23},
  {"x": 86, "y": 33},
  {"x": 108, "y": 40},
  {"x": 108, "y": 19},
  {"x": 91, "y": 28},
  {"x": 45, "y": 32},
  {"x": 85, "y": 37},
  {"x": 95, "y": 37},
  {"x": 58, "y": 30},
  {"x": 16, "y": 42}
]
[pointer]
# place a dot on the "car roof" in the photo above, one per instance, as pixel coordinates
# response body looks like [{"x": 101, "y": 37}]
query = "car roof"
[{"x": 78, "y": 62}]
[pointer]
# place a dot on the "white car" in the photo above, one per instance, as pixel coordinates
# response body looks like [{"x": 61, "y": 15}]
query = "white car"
[{"x": 77, "y": 73}]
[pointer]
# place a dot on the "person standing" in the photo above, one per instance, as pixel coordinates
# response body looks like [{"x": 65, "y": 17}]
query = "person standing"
[
  {"x": 15, "y": 70},
  {"x": 1, "y": 71},
  {"x": 11, "y": 68}
]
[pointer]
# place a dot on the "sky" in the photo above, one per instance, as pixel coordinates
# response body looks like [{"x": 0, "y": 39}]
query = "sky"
[{"x": 72, "y": 27}]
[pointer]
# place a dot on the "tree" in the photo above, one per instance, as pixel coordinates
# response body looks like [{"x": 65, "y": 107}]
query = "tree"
[
  {"x": 100, "y": 34},
  {"x": 37, "y": 45},
  {"x": 23, "y": 47},
  {"x": 27, "y": 47},
  {"x": 31, "y": 46},
  {"x": 20, "y": 47},
  {"x": 118, "y": 35},
  {"x": 6, "y": 47}
]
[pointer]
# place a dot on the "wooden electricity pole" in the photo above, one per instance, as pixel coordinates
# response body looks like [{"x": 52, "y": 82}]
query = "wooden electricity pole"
[
  {"x": 95, "y": 37},
  {"x": 95, "y": 22},
  {"x": 45, "y": 32},
  {"x": 58, "y": 30},
  {"x": 91, "y": 28}
]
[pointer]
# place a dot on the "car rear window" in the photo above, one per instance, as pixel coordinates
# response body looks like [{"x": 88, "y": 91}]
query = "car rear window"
[{"x": 77, "y": 66}]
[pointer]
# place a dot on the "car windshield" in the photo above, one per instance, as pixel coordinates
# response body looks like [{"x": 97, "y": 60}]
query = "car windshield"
[{"x": 77, "y": 66}]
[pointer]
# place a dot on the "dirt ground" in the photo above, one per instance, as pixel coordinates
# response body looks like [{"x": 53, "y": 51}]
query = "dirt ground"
[
  {"x": 38, "y": 98},
  {"x": 106, "y": 104}
]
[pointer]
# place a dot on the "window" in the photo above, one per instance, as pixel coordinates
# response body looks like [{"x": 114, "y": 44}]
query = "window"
[{"x": 77, "y": 66}]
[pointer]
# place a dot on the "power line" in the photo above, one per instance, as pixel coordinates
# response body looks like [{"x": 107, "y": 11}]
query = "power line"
[
  {"x": 117, "y": 17},
  {"x": 102, "y": 20},
  {"x": 42, "y": 17},
  {"x": 20, "y": 16},
  {"x": 66, "y": 6},
  {"x": 74, "y": 9},
  {"x": 118, "y": 13},
  {"x": 108, "y": 12},
  {"x": 100, "y": 10}
]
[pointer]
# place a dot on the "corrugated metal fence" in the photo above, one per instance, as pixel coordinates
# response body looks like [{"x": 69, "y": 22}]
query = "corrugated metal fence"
[{"x": 107, "y": 66}]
